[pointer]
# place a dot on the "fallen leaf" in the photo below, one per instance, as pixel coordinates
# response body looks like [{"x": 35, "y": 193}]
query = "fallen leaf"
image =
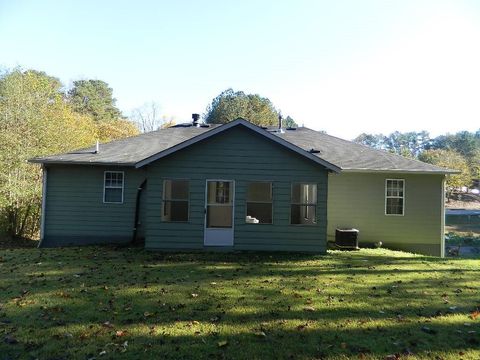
[
  {"x": 302, "y": 327},
  {"x": 475, "y": 314},
  {"x": 309, "y": 308},
  {"x": 9, "y": 339},
  {"x": 260, "y": 334},
  {"x": 222, "y": 343},
  {"x": 428, "y": 330},
  {"x": 120, "y": 333},
  {"x": 391, "y": 357}
]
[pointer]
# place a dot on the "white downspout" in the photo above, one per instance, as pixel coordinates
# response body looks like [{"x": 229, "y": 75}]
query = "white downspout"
[{"x": 44, "y": 201}]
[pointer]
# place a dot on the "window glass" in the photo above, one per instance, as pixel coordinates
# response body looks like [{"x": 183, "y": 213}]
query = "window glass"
[
  {"x": 175, "y": 200},
  {"x": 303, "y": 209},
  {"x": 259, "y": 203},
  {"x": 394, "y": 197},
  {"x": 113, "y": 187}
]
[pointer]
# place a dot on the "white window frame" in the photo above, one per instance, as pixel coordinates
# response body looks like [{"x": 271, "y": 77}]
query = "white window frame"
[
  {"x": 315, "y": 223},
  {"x": 395, "y": 197},
  {"x": 113, "y": 187},
  {"x": 259, "y": 202},
  {"x": 165, "y": 200}
]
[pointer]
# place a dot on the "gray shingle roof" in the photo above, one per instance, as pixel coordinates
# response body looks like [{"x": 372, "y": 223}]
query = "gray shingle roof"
[{"x": 340, "y": 154}]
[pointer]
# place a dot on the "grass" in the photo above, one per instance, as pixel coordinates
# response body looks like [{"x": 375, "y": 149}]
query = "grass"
[{"x": 105, "y": 303}]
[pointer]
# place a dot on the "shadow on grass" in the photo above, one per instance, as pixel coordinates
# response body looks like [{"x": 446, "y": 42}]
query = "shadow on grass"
[{"x": 71, "y": 303}]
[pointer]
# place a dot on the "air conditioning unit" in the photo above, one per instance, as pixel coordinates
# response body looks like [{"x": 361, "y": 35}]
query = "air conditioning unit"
[{"x": 346, "y": 239}]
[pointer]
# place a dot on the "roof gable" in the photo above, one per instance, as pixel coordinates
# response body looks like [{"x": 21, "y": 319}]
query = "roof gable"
[{"x": 238, "y": 122}]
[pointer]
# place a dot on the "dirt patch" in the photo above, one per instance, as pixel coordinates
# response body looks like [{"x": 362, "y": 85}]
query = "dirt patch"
[{"x": 15, "y": 243}]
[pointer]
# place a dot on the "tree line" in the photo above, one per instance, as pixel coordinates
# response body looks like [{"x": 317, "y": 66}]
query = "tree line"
[{"x": 460, "y": 151}]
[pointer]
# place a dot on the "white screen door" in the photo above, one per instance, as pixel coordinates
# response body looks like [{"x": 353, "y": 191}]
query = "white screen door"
[{"x": 219, "y": 205}]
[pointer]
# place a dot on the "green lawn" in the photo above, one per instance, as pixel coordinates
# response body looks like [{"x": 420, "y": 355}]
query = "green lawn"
[{"x": 102, "y": 303}]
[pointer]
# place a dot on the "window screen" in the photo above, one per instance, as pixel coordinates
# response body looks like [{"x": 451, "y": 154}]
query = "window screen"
[
  {"x": 259, "y": 203},
  {"x": 175, "y": 200},
  {"x": 303, "y": 204}
]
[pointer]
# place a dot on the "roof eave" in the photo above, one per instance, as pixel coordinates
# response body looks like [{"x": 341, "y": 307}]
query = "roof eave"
[
  {"x": 403, "y": 171},
  {"x": 66, "y": 162}
]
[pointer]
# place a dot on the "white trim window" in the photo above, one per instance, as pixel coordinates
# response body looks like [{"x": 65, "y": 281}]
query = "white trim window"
[
  {"x": 175, "y": 200},
  {"x": 395, "y": 197},
  {"x": 259, "y": 203},
  {"x": 303, "y": 209},
  {"x": 113, "y": 187}
]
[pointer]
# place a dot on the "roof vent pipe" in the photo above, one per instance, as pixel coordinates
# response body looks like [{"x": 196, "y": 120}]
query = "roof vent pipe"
[
  {"x": 280, "y": 125},
  {"x": 195, "y": 118}
]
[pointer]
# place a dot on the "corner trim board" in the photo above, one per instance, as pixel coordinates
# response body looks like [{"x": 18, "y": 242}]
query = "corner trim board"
[{"x": 44, "y": 203}]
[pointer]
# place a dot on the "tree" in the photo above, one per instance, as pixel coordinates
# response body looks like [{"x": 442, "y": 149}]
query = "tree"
[
  {"x": 36, "y": 120},
  {"x": 95, "y": 98},
  {"x": 376, "y": 141},
  {"x": 463, "y": 142},
  {"x": 230, "y": 105},
  {"x": 148, "y": 118},
  {"x": 409, "y": 144},
  {"x": 115, "y": 129},
  {"x": 289, "y": 122},
  {"x": 451, "y": 160}
]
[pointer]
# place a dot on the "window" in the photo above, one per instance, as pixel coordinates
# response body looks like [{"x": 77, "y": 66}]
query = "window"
[
  {"x": 220, "y": 194},
  {"x": 175, "y": 200},
  {"x": 113, "y": 187},
  {"x": 394, "y": 196},
  {"x": 259, "y": 203},
  {"x": 304, "y": 204}
]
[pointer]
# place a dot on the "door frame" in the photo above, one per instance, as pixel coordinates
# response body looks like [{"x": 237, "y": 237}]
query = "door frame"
[{"x": 205, "y": 204}]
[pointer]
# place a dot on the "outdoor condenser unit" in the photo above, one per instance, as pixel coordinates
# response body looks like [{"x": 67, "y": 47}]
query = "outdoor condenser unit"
[{"x": 346, "y": 239}]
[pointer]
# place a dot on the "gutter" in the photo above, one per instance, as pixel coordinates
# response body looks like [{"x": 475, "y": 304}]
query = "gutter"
[{"x": 399, "y": 171}]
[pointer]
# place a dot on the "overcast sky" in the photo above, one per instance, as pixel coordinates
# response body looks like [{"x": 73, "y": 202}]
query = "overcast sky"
[{"x": 345, "y": 67}]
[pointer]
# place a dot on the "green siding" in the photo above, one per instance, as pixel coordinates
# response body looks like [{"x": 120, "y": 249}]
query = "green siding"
[
  {"x": 75, "y": 213},
  {"x": 358, "y": 200},
  {"x": 242, "y": 156}
]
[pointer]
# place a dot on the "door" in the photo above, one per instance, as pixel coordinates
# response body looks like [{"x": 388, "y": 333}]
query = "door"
[{"x": 219, "y": 205}]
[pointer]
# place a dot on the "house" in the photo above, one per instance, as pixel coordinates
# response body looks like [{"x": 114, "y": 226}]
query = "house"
[{"x": 243, "y": 187}]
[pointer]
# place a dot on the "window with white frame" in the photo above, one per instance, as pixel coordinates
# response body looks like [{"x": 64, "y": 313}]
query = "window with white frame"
[
  {"x": 175, "y": 200},
  {"x": 303, "y": 210},
  {"x": 113, "y": 187},
  {"x": 259, "y": 203},
  {"x": 394, "y": 197}
]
